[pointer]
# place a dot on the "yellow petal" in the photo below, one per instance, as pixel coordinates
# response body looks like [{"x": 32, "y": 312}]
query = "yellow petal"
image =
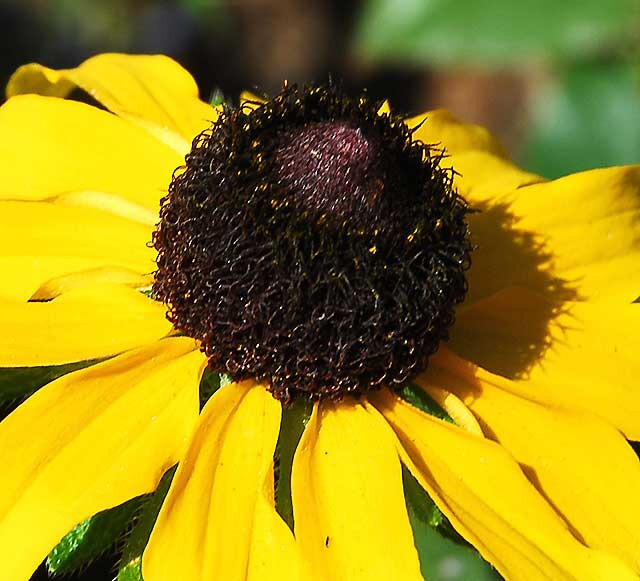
[
  {"x": 27, "y": 273},
  {"x": 455, "y": 408},
  {"x": 483, "y": 170},
  {"x": 487, "y": 498},
  {"x": 109, "y": 203},
  {"x": 86, "y": 323},
  {"x": 582, "y": 465},
  {"x": 218, "y": 520},
  {"x": 108, "y": 274},
  {"x": 51, "y": 146},
  {"x": 441, "y": 128},
  {"x": 349, "y": 510},
  {"x": 582, "y": 229},
  {"x": 152, "y": 90},
  {"x": 41, "y": 229},
  {"x": 41, "y": 241},
  {"x": 385, "y": 108},
  {"x": 89, "y": 441},
  {"x": 273, "y": 552},
  {"x": 250, "y": 100},
  {"x": 482, "y": 176},
  {"x": 583, "y": 357}
]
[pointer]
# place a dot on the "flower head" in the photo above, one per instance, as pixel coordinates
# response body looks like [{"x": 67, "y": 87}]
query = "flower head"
[{"x": 310, "y": 246}]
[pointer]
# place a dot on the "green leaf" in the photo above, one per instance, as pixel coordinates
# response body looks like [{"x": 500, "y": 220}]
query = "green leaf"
[
  {"x": 424, "y": 509},
  {"x": 423, "y": 401},
  {"x": 91, "y": 538},
  {"x": 294, "y": 419},
  {"x": 17, "y": 383},
  {"x": 590, "y": 117},
  {"x": 495, "y": 32},
  {"x": 130, "y": 568},
  {"x": 217, "y": 97},
  {"x": 209, "y": 384},
  {"x": 444, "y": 555}
]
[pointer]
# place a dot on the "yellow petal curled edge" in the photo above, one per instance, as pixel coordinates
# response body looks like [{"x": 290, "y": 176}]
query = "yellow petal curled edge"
[
  {"x": 89, "y": 441},
  {"x": 86, "y": 323},
  {"x": 151, "y": 90},
  {"x": 487, "y": 498},
  {"x": 349, "y": 510},
  {"x": 581, "y": 464},
  {"x": 58, "y": 285},
  {"x": 455, "y": 408},
  {"x": 51, "y": 146},
  {"x": 218, "y": 520},
  {"x": 41, "y": 241},
  {"x": 577, "y": 355},
  {"x": 250, "y": 100}
]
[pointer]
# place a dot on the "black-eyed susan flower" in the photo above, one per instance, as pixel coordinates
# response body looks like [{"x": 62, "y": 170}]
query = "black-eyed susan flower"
[{"x": 312, "y": 247}]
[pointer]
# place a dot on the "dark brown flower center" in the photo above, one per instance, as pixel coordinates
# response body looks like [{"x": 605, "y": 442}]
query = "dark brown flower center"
[
  {"x": 312, "y": 244},
  {"x": 331, "y": 167}
]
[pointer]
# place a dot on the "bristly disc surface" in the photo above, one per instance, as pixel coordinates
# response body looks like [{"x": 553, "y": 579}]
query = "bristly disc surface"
[{"x": 312, "y": 244}]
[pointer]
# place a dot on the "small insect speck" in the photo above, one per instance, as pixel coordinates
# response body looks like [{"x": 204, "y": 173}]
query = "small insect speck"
[{"x": 326, "y": 542}]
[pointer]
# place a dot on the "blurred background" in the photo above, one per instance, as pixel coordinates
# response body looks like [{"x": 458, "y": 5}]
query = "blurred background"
[{"x": 557, "y": 81}]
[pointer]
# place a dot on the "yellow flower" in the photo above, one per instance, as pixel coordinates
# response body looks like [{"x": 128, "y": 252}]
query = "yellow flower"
[{"x": 540, "y": 374}]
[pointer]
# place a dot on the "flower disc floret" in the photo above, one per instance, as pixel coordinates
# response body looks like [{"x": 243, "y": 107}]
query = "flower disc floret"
[{"x": 311, "y": 243}]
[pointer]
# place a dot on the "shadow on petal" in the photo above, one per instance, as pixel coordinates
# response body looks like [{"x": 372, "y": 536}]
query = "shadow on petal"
[{"x": 507, "y": 256}]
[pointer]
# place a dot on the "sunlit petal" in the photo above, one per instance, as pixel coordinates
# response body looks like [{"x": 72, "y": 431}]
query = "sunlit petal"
[
  {"x": 482, "y": 176},
  {"x": 51, "y": 146},
  {"x": 105, "y": 275},
  {"x": 152, "y": 90},
  {"x": 579, "y": 233},
  {"x": 384, "y": 108},
  {"x": 455, "y": 408},
  {"x": 250, "y": 100},
  {"x": 109, "y": 203},
  {"x": 89, "y": 441},
  {"x": 487, "y": 498},
  {"x": 86, "y": 323},
  {"x": 350, "y": 516},
  {"x": 219, "y": 520},
  {"x": 41, "y": 241},
  {"x": 582, "y": 465},
  {"x": 482, "y": 168},
  {"x": 441, "y": 128}
]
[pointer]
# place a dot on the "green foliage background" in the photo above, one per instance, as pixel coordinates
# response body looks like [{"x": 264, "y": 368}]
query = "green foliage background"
[{"x": 586, "y": 114}]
